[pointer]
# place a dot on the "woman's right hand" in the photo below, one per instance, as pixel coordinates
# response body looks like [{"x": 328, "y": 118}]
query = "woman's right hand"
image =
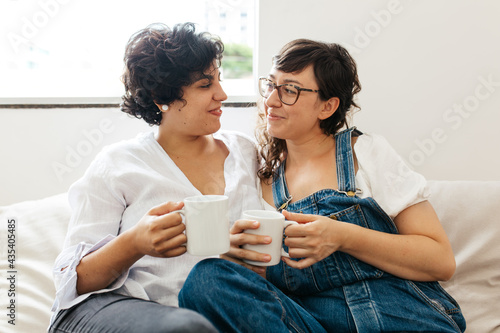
[
  {"x": 237, "y": 253},
  {"x": 160, "y": 233}
]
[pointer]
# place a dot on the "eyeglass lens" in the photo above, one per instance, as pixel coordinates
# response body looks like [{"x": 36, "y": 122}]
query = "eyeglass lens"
[{"x": 287, "y": 93}]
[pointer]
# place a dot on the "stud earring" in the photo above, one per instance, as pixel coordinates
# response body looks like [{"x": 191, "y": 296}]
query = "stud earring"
[{"x": 164, "y": 107}]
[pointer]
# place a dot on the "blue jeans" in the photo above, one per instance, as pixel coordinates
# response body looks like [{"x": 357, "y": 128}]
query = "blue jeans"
[
  {"x": 235, "y": 299},
  {"x": 110, "y": 312}
]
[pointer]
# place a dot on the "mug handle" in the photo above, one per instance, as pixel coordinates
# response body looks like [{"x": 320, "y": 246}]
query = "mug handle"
[
  {"x": 182, "y": 212},
  {"x": 283, "y": 252}
]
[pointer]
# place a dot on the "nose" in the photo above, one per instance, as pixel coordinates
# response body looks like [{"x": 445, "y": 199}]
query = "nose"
[
  {"x": 220, "y": 94},
  {"x": 273, "y": 100}
]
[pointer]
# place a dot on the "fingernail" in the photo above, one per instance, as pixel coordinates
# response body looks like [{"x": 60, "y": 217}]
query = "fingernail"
[
  {"x": 268, "y": 239},
  {"x": 267, "y": 257}
]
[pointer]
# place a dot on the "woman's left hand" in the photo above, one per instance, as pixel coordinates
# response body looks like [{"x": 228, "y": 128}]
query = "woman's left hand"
[{"x": 314, "y": 238}]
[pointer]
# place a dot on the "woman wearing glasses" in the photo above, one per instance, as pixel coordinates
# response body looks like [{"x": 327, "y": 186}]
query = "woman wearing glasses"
[{"x": 368, "y": 249}]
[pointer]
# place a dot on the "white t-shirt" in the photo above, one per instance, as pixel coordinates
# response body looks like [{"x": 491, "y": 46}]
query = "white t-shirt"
[
  {"x": 125, "y": 181},
  {"x": 384, "y": 176}
]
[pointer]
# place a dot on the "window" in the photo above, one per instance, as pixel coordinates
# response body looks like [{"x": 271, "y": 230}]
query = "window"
[{"x": 73, "y": 50}]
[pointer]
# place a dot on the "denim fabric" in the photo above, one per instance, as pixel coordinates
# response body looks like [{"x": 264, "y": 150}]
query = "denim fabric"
[
  {"x": 235, "y": 299},
  {"x": 339, "y": 293},
  {"x": 111, "y": 312}
]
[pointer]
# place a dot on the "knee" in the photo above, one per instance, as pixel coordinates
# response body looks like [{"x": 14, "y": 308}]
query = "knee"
[
  {"x": 201, "y": 280},
  {"x": 209, "y": 278}
]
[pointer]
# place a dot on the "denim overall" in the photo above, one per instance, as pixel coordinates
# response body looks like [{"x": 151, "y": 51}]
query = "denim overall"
[{"x": 344, "y": 293}]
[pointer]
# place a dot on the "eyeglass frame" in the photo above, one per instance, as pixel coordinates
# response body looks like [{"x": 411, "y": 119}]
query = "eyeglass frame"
[{"x": 276, "y": 87}]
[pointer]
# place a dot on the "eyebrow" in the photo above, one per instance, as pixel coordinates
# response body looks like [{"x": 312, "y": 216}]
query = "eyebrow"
[
  {"x": 210, "y": 77},
  {"x": 203, "y": 76},
  {"x": 286, "y": 80}
]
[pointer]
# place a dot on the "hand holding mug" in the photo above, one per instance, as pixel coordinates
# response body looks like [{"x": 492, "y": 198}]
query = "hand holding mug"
[
  {"x": 272, "y": 224},
  {"x": 159, "y": 233},
  {"x": 239, "y": 237}
]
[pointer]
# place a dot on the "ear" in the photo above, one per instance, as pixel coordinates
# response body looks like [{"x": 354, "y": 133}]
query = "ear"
[{"x": 329, "y": 108}]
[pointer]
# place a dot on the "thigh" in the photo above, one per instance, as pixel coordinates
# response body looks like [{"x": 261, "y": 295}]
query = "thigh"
[
  {"x": 330, "y": 309},
  {"x": 407, "y": 305},
  {"x": 111, "y": 312},
  {"x": 235, "y": 299},
  {"x": 384, "y": 305}
]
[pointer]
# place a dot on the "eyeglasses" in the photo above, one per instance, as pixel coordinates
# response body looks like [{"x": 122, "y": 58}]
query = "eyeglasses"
[{"x": 288, "y": 93}]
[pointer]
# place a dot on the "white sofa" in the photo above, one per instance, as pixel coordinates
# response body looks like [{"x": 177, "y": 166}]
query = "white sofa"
[{"x": 469, "y": 212}]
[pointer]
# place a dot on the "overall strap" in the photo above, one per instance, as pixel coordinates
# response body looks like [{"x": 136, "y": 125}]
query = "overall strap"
[
  {"x": 281, "y": 196},
  {"x": 345, "y": 161}
]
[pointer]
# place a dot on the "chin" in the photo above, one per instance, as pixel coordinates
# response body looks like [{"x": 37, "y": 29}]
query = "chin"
[
  {"x": 213, "y": 129},
  {"x": 273, "y": 133}
]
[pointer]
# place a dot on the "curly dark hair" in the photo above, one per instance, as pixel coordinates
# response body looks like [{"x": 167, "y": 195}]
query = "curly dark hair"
[
  {"x": 336, "y": 75},
  {"x": 160, "y": 61}
]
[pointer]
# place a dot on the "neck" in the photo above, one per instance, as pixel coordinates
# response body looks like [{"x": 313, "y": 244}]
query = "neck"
[
  {"x": 184, "y": 145},
  {"x": 308, "y": 151}
]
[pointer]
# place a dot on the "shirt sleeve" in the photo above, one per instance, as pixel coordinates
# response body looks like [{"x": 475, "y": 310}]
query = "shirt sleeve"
[
  {"x": 386, "y": 177},
  {"x": 95, "y": 221}
]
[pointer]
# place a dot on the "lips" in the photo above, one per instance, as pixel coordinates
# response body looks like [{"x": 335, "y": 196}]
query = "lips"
[
  {"x": 273, "y": 116},
  {"x": 216, "y": 112}
]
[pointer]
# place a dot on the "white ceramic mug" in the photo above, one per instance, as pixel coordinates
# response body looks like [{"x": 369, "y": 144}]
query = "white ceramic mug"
[
  {"x": 271, "y": 224},
  {"x": 207, "y": 224}
]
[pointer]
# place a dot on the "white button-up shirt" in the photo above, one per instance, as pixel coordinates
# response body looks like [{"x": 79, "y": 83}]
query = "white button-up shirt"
[{"x": 122, "y": 184}]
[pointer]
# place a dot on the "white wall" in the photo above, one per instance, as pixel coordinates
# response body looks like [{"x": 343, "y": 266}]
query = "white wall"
[{"x": 424, "y": 67}]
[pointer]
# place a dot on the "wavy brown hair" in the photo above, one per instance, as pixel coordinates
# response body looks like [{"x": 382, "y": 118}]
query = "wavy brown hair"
[
  {"x": 160, "y": 61},
  {"x": 336, "y": 75}
]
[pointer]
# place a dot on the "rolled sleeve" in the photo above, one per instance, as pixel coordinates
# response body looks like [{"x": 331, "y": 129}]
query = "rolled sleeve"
[{"x": 65, "y": 276}]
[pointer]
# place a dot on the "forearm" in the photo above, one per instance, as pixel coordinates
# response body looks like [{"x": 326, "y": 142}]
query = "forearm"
[
  {"x": 100, "y": 268},
  {"x": 413, "y": 257}
]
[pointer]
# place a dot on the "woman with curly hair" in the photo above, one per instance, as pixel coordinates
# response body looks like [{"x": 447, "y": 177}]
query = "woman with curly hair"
[
  {"x": 368, "y": 250},
  {"x": 124, "y": 258}
]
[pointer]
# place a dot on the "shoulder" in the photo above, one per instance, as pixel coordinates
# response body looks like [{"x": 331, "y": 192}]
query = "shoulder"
[
  {"x": 118, "y": 157},
  {"x": 390, "y": 180},
  {"x": 376, "y": 156},
  {"x": 139, "y": 143},
  {"x": 121, "y": 151},
  {"x": 373, "y": 150},
  {"x": 111, "y": 163},
  {"x": 369, "y": 141}
]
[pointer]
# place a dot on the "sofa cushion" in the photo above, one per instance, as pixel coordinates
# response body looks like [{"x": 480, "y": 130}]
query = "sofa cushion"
[
  {"x": 41, "y": 226},
  {"x": 470, "y": 215}
]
